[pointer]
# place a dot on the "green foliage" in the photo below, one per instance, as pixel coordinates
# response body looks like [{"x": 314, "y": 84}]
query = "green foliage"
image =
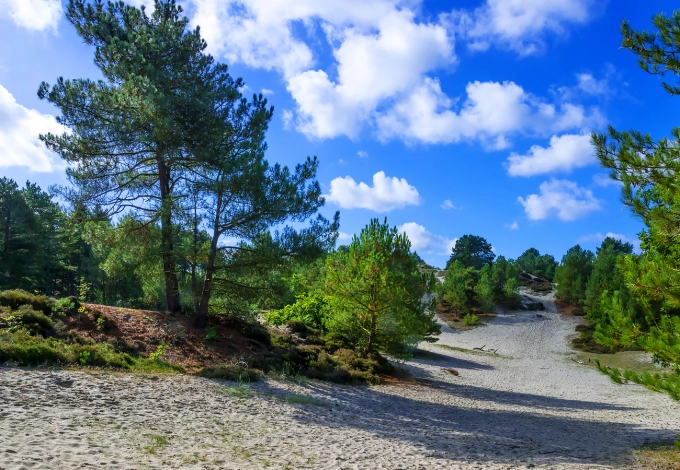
[
  {"x": 511, "y": 290},
  {"x": 646, "y": 312},
  {"x": 310, "y": 309},
  {"x": 375, "y": 292},
  {"x": 669, "y": 383},
  {"x": 571, "y": 276},
  {"x": 63, "y": 306},
  {"x": 210, "y": 333},
  {"x": 486, "y": 289},
  {"x": 458, "y": 287},
  {"x": 471, "y": 319},
  {"x": 16, "y": 298},
  {"x": 606, "y": 280},
  {"x": 25, "y": 318},
  {"x": 24, "y": 349},
  {"x": 531, "y": 261},
  {"x": 160, "y": 351},
  {"x": 465, "y": 289},
  {"x": 472, "y": 251}
]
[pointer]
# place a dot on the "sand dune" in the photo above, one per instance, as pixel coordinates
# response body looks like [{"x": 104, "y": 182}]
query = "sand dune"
[{"x": 530, "y": 407}]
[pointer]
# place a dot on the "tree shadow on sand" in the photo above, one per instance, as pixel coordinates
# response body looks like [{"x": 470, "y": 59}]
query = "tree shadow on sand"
[{"x": 545, "y": 436}]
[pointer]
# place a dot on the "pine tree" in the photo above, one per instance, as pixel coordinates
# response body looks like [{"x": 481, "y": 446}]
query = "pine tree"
[
  {"x": 649, "y": 171},
  {"x": 376, "y": 293},
  {"x": 128, "y": 134}
]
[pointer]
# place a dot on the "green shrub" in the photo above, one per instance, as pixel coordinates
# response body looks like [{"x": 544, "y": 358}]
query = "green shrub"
[
  {"x": 471, "y": 319},
  {"x": 66, "y": 306},
  {"x": 309, "y": 309},
  {"x": 233, "y": 373},
  {"x": 23, "y": 349},
  {"x": 33, "y": 321},
  {"x": 210, "y": 332},
  {"x": 16, "y": 298}
]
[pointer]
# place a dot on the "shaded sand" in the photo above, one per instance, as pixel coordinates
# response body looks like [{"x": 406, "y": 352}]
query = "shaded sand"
[{"x": 533, "y": 408}]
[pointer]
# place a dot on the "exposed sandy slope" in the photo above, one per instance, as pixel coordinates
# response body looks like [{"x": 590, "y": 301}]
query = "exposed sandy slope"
[{"x": 535, "y": 410}]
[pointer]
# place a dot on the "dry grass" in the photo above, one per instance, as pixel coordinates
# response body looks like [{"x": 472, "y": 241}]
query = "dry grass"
[{"x": 660, "y": 457}]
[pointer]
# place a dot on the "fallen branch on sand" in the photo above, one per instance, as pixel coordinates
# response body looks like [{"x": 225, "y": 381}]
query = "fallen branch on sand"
[
  {"x": 495, "y": 351},
  {"x": 577, "y": 362}
]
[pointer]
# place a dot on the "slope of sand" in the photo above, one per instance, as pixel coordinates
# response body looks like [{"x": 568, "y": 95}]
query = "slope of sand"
[{"x": 530, "y": 407}]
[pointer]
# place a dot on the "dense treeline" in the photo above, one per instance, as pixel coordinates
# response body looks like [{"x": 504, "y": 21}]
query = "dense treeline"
[{"x": 476, "y": 279}]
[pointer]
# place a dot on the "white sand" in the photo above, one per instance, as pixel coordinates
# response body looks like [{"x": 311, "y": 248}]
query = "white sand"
[{"x": 536, "y": 410}]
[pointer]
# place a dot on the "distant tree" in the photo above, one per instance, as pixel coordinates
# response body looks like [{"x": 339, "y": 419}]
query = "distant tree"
[
  {"x": 605, "y": 276},
  {"x": 533, "y": 262},
  {"x": 472, "y": 251},
  {"x": 572, "y": 275},
  {"x": 376, "y": 293},
  {"x": 485, "y": 289},
  {"x": 19, "y": 237},
  {"x": 458, "y": 286}
]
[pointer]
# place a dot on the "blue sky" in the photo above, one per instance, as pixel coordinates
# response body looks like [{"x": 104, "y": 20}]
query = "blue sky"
[{"x": 448, "y": 118}]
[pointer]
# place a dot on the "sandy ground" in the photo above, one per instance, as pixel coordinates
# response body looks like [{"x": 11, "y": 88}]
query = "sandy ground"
[{"x": 532, "y": 407}]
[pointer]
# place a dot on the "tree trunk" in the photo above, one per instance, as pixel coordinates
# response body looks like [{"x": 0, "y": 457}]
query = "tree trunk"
[
  {"x": 169, "y": 268},
  {"x": 202, "y": 312},
  {"x": 194, "y": 282},
  {"x": 374, "y": 315},
  {"x": 8, "y": 221}
]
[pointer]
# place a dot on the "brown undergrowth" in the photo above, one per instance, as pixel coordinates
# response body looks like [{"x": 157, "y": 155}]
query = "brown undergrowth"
[{"x": 76, "y": 334}]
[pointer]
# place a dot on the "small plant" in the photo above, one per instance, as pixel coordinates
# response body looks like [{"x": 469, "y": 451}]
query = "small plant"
[
  {"x": 63, "y": 306},
  {"x": 211, "y": 332},
  {"x": 471, "y": 319},
  {"x": 101, "y": 323},
  {"x": 161, "y": 349},
  {"x": 84, "y": 357},
  {"x": 83, "y": 289},
  {"x": 157, "y": 441},
  {"x": 300, "y": 399}
]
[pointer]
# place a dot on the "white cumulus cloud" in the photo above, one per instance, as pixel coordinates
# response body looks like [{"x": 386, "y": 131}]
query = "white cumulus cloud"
[
  {"x": 605, "y": 180},
  {"x": 520, "y": 25},
  {"x": 513, "y": 226},
  {"x": 426, "y": 242},
  {"x": 386, "y": 194},
  {"x": 560, "y": 198},
  {"x": 384, "y": 57},
  {"x": 19, "y": 131},
  {"x": 35, "y": 15},
  {"x": 371, "y": 68},
  {"x": 492, "y": 112},
  {"x": 565, "y": 153},
  {"x": 448, "y": 204}
]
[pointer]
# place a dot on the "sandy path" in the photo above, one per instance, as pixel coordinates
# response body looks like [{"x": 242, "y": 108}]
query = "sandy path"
[{"x": 536, "y": 409}]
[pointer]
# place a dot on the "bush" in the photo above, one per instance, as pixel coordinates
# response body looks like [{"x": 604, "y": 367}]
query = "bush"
[
  {"x": 233, "y": 373},
  {"x": 23, "y": 349},
  {"x": 309, "y": 309},
  {"x": 16, "y": 298},
  {"x": 66, "y": 306},
  {"x": 33, "y": 321},
  {"x": 471, "y": 319}
]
